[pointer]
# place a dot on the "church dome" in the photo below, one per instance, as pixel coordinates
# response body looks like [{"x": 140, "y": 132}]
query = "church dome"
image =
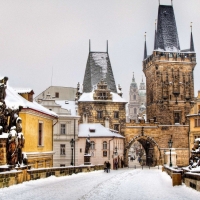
[{"x": 142, "y": 107}]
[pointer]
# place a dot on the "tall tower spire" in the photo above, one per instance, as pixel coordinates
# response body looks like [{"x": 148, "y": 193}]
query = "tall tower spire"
[
  {"x": 167, "y": 34},
  {"x": 133, "y": 79},
  {"x": 191, "y": 40},
  {"x": 155, "y": 37},
  {"x": 107, "y": 47},
  {"x": 145, "y": 47},
  {"x": 89, "y": 46}
]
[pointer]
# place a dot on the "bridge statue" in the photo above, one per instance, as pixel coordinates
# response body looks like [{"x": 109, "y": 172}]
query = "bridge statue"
[{"x": 11, "y": 128}]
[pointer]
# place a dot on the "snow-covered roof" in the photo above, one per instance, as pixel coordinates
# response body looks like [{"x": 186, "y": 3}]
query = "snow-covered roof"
[
  {"x": 14, "y": 100},
  {"x": 23, "y": 90},
  {"x": 96, "y": 130},
  {"x": 69, "y": 105},
  {"x": 89, "y": 97}
]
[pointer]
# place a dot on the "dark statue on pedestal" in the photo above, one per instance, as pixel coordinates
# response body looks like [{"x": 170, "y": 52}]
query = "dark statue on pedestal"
[
  {"x": 87, "y": 145},
  {"x": 11, "y": 124},
  {"x": 87, "y": 148}
]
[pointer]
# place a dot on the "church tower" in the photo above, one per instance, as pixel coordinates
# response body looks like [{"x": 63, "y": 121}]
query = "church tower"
[
  {"x": 169, "y": 72},
  {"x": 137, "y": 100},
  {"x": 133, "y": 100}
]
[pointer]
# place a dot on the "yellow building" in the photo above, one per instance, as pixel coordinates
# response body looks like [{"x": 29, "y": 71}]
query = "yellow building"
[
  {"x": 37, "y": 127},
  {"x": 194, "y": 118}
]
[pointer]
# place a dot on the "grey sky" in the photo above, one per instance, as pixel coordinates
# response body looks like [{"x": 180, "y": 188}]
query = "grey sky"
[{"x": 38, "y": 35}]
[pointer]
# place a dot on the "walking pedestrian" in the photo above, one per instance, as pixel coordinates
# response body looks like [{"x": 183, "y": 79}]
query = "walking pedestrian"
[
  {"x": 116, "y": 164},
  {"x": 108, "y": 166}
]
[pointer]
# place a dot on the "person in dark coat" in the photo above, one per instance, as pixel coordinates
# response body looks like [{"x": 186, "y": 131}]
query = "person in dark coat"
[
  {"x": 108, "y": 166},
  {"x": 116, "y": 164}
]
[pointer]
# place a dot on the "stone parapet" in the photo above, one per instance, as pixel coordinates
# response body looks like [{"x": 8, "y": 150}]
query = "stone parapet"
[{"x": 24, "y": 174}]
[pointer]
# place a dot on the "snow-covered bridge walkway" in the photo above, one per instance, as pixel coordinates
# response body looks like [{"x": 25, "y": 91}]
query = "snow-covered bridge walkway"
[{"x": 122, "y": 184}]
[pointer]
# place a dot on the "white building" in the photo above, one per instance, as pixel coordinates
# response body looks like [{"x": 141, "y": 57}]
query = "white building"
[{"x": 64, "y": 130}]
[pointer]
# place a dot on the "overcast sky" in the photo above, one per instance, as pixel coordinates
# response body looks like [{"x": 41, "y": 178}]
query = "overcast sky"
[{"x": 37, "y": 36}]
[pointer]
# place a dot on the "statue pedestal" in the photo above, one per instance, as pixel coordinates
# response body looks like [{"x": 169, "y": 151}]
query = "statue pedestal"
[{"x": 87, "y": 159}]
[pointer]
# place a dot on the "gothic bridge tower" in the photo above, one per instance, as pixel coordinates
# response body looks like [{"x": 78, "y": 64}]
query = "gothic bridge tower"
[
  {"x": 170, "y": 94},
  {"x": 169, "y": 72},
  {"x": 100, "y": 101}
]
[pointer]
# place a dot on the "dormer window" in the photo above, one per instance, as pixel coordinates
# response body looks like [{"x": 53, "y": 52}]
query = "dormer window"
[{"x": 92, "y": 130}]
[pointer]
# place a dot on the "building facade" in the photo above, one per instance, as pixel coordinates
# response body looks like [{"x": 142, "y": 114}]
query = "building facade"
[
  {"x": 106, "y": 145},
  {"x": 58, "y": 93},
  {"x": 194, "y": 119},
  {"x": 37, "y": 123},
  {"x": 64, "y": 130}
]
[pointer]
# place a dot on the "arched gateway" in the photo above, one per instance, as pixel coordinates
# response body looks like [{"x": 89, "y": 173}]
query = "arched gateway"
[
  {"x": 154, "y": 139},
  {"x": 152, "y": 150}
]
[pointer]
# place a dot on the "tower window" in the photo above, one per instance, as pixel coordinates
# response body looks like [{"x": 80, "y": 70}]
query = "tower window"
[
  {"x": 176, "y": 117},
  {"x": 99, "y": 114},
  {"x": 116, "y": 114}
]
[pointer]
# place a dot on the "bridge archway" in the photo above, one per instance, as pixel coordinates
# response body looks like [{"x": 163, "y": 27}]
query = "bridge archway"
[{"x": 151, "y": 148}]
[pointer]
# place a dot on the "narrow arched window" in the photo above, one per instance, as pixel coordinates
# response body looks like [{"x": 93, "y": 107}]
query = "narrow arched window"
[
  {"x": 104, "y": 145},
  {"x": 92, "y": 145}
]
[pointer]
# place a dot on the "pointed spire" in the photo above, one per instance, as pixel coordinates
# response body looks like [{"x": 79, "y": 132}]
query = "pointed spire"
[
  {"x": 167, "y": 34},
  {"x": 172, "y": 2},
  {"x": 133, "y": 79},
  {"x": 158, "y": 2},
  {"x": 145, "y": 47},
  {"x": 155, "y": 37},
  {"x": 89, "y": 47},
  {"x": 191, "y": 40},
  {"x": 107, "y": 47}
]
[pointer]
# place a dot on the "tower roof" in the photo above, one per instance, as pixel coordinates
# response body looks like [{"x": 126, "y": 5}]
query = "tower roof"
[
  {"x": 145, "y": 47},
  {"x": 167, "y": 34},
  {"x": 98, "y": 68},
  {"x": 191, "y": 42},
  {"x": 133, "y": 83}
]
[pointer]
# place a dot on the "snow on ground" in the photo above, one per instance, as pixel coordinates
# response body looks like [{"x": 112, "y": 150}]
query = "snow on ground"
[{"x": 122, "y": 184}]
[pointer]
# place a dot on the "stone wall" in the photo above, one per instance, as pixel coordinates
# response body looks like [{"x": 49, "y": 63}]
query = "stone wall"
[
  {"x": 108, "y": 109},
  {"x": 24, "y": 174}
]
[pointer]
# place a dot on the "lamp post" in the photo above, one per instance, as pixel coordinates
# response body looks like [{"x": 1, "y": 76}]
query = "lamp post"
[
  {"x": 72, "y": 147},
  {"x": 115, "y": 152},
  {"x": 170, "y": 142}
]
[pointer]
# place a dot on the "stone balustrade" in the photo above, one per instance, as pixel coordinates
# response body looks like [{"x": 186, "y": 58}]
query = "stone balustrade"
[{"x": 19, "y": 175}]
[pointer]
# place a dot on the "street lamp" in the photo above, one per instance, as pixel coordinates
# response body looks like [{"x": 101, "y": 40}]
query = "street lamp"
[
  {"x": 115, "y": 152},
  {"x": 72, "y": 141},
  {"x": 170, "y": 142}
]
